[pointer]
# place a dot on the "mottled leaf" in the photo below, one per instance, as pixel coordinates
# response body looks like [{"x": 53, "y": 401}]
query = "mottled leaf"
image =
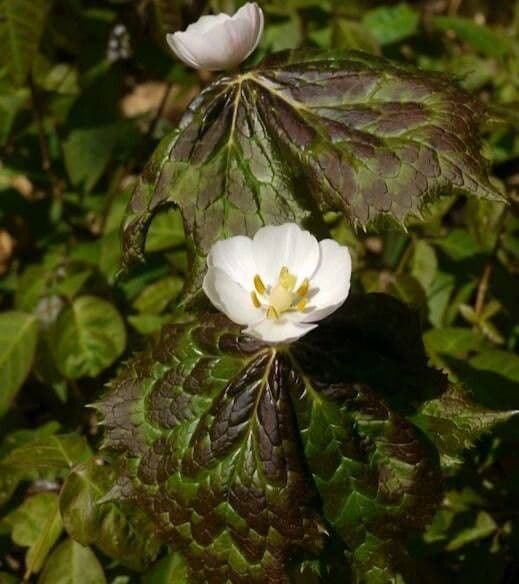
[
  {"x": 118, "y": 530},
  {"x": 304, "y": 133},
  {"x": 229, "y": 444}
]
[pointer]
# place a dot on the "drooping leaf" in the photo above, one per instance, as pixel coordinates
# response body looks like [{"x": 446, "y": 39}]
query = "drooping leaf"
[
  {"x": 25, "y": 22},
  {"x": 72, "y": 563},
  {"x": 18, "y": 336},
  {"x": 228, "y": 443},
  {"x": 37, "y": 525},
  {"x": 9, "y": 476},
  {"x": 51, "y": 453},
  {"x": 309, "y": 132},
  {"x": 118, "y": 530},
  {"x": 88, "y": 336},
  {"x": 454, "y": 423}
]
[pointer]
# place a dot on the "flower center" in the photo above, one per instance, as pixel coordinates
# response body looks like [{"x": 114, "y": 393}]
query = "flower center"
[{"x": 281, "y": 297}]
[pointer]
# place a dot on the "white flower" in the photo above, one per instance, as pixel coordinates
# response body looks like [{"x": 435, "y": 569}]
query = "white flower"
[
  {"x": 279, "y": 283},
  {"x": 218, "y": 42}
]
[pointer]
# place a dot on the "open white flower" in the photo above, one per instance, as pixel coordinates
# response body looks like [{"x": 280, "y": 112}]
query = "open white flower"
[
  {"x": 218, "y": 42},
  {"x": 279, "y": 283}
]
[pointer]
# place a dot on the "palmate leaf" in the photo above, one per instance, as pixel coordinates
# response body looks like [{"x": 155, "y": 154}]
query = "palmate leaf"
[
  {"x": 304, "y": 133},
  {"x": 244, "y": 454}
]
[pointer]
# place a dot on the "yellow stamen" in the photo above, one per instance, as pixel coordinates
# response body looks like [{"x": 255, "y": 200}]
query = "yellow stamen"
[
  {"x": 301, "y": 305},
  {"x": 255, "y": 300},
  {"x": 259, "y": 285},
  {"x": 286, "y": 279},
  {"x": 303, "y": 289},
  {"x": 272, "y": 313}
]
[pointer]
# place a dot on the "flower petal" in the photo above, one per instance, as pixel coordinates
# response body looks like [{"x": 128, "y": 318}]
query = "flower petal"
[
  {"x": 177, "y": 45},
  {"x": 230, "y": 298},
  {"x": 279, "y": 331},
  {"x": 234, "y": 257},
  {"x": 330, "y": 285},
  {"x": 285, "y": 245},
  {"x": 217, "y": 42},
  {"x": 253, "y": 15}
]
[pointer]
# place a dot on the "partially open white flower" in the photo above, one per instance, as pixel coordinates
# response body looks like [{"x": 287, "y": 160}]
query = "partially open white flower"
[
  {"x": 218, "y": 42},
  {"x": 279, "y": 283}
]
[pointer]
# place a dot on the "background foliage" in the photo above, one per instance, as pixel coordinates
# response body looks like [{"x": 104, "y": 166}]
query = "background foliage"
[{"x": 87, "y": 89}]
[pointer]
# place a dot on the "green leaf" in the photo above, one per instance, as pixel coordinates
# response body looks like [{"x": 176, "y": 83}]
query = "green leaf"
[
  {"x": 18, "y": 336},
  {"x": 25, "y": 22},
  {"x": 459, "y": 245},
  {"x": 155, "y": 297},
  {"x": 88, "y": 337},
  {"x": 170, "y": 570},
  {"x": 454, "y": 341},
  {"x": 88, "y": 151},
  {"x": 454, "y": 424},
  {"x": 391, "y": 24},
  {"x": 484, "y": 527},
  {"x": 51, "y": 453},
  {"x": 36, "y": 524},
  {"x": 71, "y": 563},
  {"x": 214, "y": 434},
  {"x": 118, "y": 530},
  {"x": 216, "y": 461},
  {"x": 10, "y": 477},
  {"x": 305, "y": 133},
  {"x": 166, "y": 231},
  {"x": 482, "y": 38},
  {"x": 424, "y": 264}
]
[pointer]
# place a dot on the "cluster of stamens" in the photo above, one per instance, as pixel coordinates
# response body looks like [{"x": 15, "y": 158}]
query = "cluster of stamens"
[{"x": 282, "y": 297}]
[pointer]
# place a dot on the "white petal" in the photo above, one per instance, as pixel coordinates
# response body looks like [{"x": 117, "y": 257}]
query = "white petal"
[
  {"x": 230, "y": 298},
  {"x": 206, "y": 22},
  {"x": 285, "y": 245},
  {"x": 330, "y": 285},
  {"x": 177, "y": 45},
  {"x": 234, "y": 257},
  {"x": 220, "y": 41},
  {"x": 279, "y": 331},
  {"x": 253, "y": 15}
]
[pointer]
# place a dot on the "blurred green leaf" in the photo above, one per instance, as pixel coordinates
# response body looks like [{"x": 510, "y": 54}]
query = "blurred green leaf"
[
  {"x": 87, "y": 337},
  {"x": 18, "y": 336},
  {"x": 35, "y": 524},
  {"x": 424, "y": 264},
  {"x": 121, "y": 531},
  {"x": 166, "y": 231},
  {"x": 170, "y": 570},
  {"x": 55, "y": 452},
  {"x": 481, "y": 37},
  {"x": 155, "y": 297},
  {"x": 391, "y": 24},
  {"x": 88, "y": 151},
  {"x": 484, "y": 527},
  {"x": 24, "y": 23},
  {"x": 72, "y": 563}
]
